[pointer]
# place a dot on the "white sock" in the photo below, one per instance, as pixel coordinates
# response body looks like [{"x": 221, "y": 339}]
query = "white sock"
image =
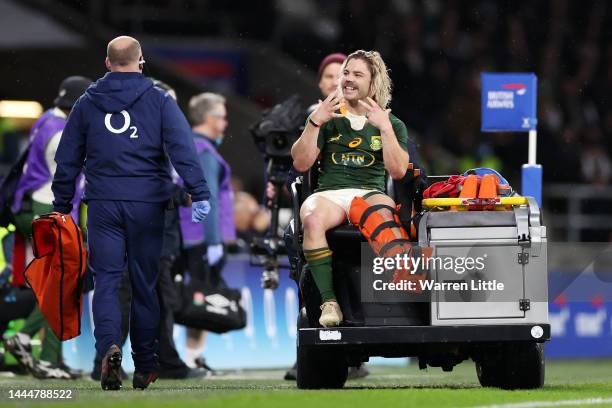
[{"x": 191, "y": 354}]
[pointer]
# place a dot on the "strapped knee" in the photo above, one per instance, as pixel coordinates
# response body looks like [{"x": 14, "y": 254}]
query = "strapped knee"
[
  {"x": 374, "y": 227},
  {"x": 379, "y": 234}
]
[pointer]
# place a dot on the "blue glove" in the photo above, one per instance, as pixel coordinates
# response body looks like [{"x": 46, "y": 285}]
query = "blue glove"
[
  {"x": 214, "y": 253},
  {"x": 199, "y": 210}
]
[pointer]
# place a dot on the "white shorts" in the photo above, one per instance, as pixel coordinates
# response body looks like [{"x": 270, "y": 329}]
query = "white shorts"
[{"x": 343, "y": 196}]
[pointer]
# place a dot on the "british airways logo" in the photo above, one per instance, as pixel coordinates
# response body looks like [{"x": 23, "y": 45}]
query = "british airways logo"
[
  {"x": 519, "y": 88},
  {"x": 591, "y": 324},
  {"x": 504, "y": 98}
]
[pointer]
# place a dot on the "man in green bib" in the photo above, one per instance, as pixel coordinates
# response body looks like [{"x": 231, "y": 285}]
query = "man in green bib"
[{"x": 358, "y": 142}]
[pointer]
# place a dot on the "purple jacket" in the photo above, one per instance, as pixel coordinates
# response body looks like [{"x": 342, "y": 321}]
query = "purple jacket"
[
  {"x": 194, "y": 233},
  {"x": 36, "y": 172}
]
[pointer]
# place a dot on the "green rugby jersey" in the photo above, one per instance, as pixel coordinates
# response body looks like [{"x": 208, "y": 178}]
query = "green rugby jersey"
[{"x": 353, "y": 158}]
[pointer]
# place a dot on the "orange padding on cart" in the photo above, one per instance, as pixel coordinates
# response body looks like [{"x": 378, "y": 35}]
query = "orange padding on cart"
[
  {"x": 470, "y": 187},
  {"x": 488, "y": 186}
]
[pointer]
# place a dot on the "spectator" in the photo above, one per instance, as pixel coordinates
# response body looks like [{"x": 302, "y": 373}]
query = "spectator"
[{"x": 208, "y": 115}]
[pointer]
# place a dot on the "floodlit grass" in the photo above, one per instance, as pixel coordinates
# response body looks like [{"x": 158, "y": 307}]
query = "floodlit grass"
[{"x": 385, "y": 387}]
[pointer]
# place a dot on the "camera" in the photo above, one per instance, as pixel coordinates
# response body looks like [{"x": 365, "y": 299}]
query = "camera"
[
  {"x": 277, "y": 130},
  {"x": 274, "y": 135}
]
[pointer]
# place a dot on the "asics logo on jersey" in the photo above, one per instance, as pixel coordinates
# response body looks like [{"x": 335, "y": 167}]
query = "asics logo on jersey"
[{"x": 355, "y": 142}]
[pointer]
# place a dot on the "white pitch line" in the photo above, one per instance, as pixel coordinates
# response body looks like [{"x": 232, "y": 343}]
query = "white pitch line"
[{"x": 560, "y": 403}]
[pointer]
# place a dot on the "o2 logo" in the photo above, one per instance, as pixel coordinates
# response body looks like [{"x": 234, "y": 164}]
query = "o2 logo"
[{"x": 126, "y": 124}]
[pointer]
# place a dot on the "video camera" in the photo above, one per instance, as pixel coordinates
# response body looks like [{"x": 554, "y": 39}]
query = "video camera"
[
  {"x": 279, "y": 127},
  {"x": 274, "y": 135}
]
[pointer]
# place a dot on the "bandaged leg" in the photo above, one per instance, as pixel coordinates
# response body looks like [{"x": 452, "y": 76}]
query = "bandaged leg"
[{"x": 379, "y": 231}]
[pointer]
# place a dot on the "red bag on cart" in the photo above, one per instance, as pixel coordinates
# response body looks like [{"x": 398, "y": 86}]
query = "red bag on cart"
[{"x": 450, "y": 188}]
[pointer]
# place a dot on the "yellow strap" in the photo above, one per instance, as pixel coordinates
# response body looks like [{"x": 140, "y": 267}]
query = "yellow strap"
[
  {"x": 448, "y": 202},
  {"x": 3, "y": 233}
]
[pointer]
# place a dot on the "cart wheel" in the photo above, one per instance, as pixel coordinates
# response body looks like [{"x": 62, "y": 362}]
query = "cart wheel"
[
  {"x": 515, "y": 366},
  {"x": 320, "y": 367},
  {"x": 489, "y": 375}
]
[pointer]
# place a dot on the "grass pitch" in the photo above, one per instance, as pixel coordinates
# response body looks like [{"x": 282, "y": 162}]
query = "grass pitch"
[{"x": 568, "y": 383}]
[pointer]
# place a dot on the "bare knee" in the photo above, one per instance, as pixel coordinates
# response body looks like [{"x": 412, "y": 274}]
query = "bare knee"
[
  {"x": 313, "y": 223},
  {"x": 318, "y": 215}
]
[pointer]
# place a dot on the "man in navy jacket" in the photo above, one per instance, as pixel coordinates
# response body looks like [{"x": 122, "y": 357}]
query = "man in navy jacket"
[{"x": 121, "y": 132}]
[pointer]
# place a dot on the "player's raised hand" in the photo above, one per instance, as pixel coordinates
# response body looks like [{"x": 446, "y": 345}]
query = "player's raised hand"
[
  {"x": 326, "y": 110},
  {"x": 375, "y": 114}
]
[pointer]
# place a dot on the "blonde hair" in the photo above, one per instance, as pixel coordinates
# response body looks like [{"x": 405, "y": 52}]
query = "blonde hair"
[{"x": 380, "y": 85}]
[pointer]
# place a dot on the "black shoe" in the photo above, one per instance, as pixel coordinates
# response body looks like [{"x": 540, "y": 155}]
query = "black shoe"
[
  {"x": 143, "y": 380},
  {"x": 357, "y": 372},
  {"x": 200, "y": 362},
  {"x": 19, "y": 346},
  {"x": 110, "y": 376},
  {"x": 95, "y": 374},
  {"x": 291, "y": 374}
]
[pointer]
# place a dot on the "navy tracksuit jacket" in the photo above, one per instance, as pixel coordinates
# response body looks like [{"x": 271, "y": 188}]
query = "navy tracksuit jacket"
[{"x": 122, "y": 131}]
